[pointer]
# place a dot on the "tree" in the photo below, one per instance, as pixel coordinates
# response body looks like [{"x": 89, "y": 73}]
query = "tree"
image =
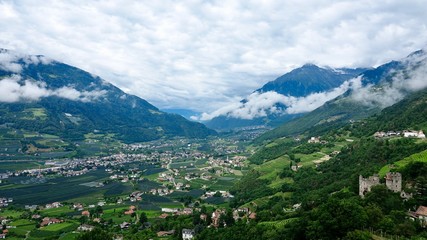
[
  {"x": 335, "y": 218},
  {"x": 96, "y": 234},
  {"x": 143, "y": 218}
]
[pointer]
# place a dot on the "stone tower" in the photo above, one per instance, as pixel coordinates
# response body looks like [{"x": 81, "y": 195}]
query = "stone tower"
[
  {"x": 365, "y": 184},
  {"x": 393, "y": 181}
]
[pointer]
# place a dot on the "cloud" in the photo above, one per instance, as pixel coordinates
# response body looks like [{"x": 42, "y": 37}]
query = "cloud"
[
  {"x": 205, "y": 54},
  {"x": 262, "y": 104},
  {"x": 15, "y": 89},
  {"x": 410, "y": 79},
  {"x": 9, "y": 60}
]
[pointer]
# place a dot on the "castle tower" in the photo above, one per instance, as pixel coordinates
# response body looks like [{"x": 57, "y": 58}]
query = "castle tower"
[
  {"x": 393, "y": 181},
  {"x": 365, "y": 184}
]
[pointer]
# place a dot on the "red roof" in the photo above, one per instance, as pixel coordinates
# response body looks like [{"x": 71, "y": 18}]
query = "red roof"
[{"x": 422, "y": 210}]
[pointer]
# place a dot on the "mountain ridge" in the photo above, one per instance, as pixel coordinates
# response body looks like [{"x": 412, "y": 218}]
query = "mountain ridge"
[
  {"x": 273, "y": 103},
  {"x": 76, "y": 100},
  {"x": 374, "y": 90}
]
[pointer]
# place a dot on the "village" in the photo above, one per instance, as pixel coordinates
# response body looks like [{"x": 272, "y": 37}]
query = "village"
[{"x": 178, "y": 170}]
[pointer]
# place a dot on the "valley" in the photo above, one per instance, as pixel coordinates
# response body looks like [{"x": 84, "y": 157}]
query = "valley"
[{"x": 104, "y": 164}]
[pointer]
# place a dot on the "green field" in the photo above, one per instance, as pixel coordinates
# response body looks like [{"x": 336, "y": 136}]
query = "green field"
[
  {"x": 23, "y": 226},
  {"x": 10, "y": 213},
  {"x": 69, "y": 236},
  {"x": 57, "y": 189},
  {"x": 418, "y": 157},
  {"x": 19, "y": 165},
  {"x": 56, "y": 212},
  {"x": 54, "y": 230},
  {"x": 34, "y": 113},
  {"x": 278, "y": 224},
  {"x": 269, "y": 170},
  {"x": 60, "y": 226}
]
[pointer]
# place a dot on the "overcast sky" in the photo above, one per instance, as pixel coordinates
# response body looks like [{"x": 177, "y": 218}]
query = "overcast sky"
[{"x": 203, "y": 55}]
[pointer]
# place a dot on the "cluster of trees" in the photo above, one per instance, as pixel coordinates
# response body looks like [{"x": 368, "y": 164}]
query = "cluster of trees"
[
  {"x": 267, "y": 153},
  {"x": 250, "y": 187}
]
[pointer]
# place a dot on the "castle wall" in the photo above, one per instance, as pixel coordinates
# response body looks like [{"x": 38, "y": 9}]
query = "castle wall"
[
  {"x": 394, "y": 181},
  {"x": 365, "y": 184}
]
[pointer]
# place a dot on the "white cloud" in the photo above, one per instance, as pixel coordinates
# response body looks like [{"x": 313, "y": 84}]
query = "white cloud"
[
  {"x": 410, "y": 79},
  {"x": 262, "y": 104},
  {"x": 15, "y": 89},
  {"x": 205, "y": 54},
  {"x": 9, "y": 60}
]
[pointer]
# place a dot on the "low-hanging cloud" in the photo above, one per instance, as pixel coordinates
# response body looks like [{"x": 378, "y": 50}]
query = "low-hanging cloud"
[
  {"x": 412, "y": 78},
  {"x": 11, "y": 61},
  {"x": 15, "y": 89},
  {"x": 263, "y": 104}
]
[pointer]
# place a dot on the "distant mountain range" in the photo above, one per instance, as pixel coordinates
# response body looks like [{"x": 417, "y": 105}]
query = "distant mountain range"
[
  {"x": 43, "y": 95},
  {"x": 372, "y": 91},
  {"x": 289, "y": 96}
]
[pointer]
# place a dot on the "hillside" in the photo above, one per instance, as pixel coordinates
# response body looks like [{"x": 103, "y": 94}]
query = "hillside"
[
  {"x": 52, "y": 97},
  {"x": 299, "y": 193}
]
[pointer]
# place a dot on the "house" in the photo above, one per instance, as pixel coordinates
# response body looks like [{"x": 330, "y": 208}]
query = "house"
[
  {"x": 129, "y": 212},
  {"x": 86, "y": 213},
  {"x": 187, "y": 211},
  {"x": 216, "y": 216},
  {"x": 78, "y": 206},
  {"x": 48, "y": 221},
  {"x": 2, "y": 236},
  {"x": 414, "y": 134},
  {"x": 169, "y": 210},
  {"x": 165, "y": 233},
  {"x": 3, "y": 220},
  {"x": 85, "y": 228},
  {"x": 380, "y": 134},
  {"x": 314, "y": 140},
  {"x": 421, "y": 215},
  {"x": 31, "y": 207},
  {"x": 188, "y": 234},
  {"x": 124, "y": 225},
  {"x": 164, "y": 215},
  {"x": 53, "y": 205}
]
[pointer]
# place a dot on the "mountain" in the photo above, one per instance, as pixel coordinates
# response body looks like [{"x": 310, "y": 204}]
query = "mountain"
[
  {"x": 372, "y": 91},
  {"x": 279, "y": 101},
  {"x": 309, "y": 79},
  {"x": 43, "y": 95}
]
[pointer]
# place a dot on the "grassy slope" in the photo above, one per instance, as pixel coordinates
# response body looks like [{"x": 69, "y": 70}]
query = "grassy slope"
[{"x": 418, "y": 157}]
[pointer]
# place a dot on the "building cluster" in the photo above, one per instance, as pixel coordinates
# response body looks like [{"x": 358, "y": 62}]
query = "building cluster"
[
  {"x": 4, "y": 202},
  {"x": 224, "y": 194},
  {"x": 48, "y": 221},
  {"x": 53, "y": 205},
  {"x": 316, "y": 140},
  {"x": 405, "y": 133}
]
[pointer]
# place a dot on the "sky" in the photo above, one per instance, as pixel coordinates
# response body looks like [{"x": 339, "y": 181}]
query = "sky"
[{"x": 208, "y": 55}]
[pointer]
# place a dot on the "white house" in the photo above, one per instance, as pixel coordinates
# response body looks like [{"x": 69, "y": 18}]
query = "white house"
[{"x": 187, "y": 234}]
